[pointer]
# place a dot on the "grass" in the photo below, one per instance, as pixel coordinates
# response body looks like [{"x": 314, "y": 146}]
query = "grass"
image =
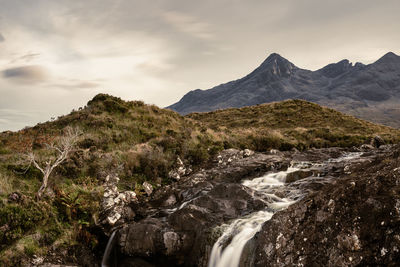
[
  {"x": 140, "y": 143},
  {"x": 294, "y": 123}
]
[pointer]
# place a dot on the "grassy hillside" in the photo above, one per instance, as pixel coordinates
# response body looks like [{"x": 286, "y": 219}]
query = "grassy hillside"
[
  {"x": 293, "y": 123},
  {"x": 140, "y": 143}
]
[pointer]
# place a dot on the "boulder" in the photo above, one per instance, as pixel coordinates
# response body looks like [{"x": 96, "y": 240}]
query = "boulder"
[{"x": 115, "y": 206}]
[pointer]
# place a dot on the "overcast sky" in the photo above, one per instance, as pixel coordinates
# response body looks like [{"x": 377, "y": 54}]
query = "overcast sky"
[{"x": 57, "y": 54}]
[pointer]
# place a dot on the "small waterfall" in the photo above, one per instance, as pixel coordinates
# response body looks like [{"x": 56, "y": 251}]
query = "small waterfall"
[
  {"x": 240, "y": 231},
  {"x": 227, "y": 251},
  {"x": 107, "y": 260}
]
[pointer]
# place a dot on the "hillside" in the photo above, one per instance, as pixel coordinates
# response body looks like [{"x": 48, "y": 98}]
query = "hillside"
[
  {"x": 295, "y": 123},
  {"x": 135, "y": 141},
  {"x": 138, "y": 143},
  {"x": 370, "y": 92}
]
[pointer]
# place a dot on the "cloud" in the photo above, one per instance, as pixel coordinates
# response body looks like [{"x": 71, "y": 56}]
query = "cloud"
[
  {"x": 158, "y": 50},
  {"x": 26, "y": 74},
  {"x": 189, "y": 25},
  {"x": 29, "y": 57},
  {"x": 16, "y": 119},
  {"x": 77, "y": 85}
]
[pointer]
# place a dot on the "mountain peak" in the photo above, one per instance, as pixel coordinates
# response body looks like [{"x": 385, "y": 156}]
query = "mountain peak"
[
  {"x": 274, "y": 56},
  {"x": 335, "y": 69},
  {"x": 278, "y": 65},
  {"x": 389, "y": 57}
]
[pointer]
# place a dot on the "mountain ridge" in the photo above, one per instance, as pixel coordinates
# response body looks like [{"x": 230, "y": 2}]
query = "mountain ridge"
[{"x": 366, "y": 91}]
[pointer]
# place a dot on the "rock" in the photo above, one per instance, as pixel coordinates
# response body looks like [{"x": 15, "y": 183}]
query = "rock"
[
  {"x": 350, "y": 222},
  {"x": 141, "y": 239},
  {"x": 179, "y": 171},
  {"x": 135, "y": 262},
  {"x": 148, "y": 188},
  {"x": 366, "y": 147},
  {"x": 247, "y": 153},
  {"x": 171, "y": 200},
  {"x": 14, "y": 197},
  {"x": 115, "y": 205},
  {"x": 37, "y": 260},
  {"x": 297, "y": 175},
  {"x": 179, "y": 224},
  {"x": 274, "y": 151},
  {"x": 172, "y": 242},
  {"x": 377, "y": 141}
]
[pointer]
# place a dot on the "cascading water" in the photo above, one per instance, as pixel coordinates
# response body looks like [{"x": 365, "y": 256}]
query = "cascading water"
[
  {"x": 243, "y": 229},
  {"x": 107, "y": 256},
  {"x": 240, "y": 231}
]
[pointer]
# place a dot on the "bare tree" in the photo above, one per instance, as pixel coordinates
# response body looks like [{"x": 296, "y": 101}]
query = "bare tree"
[{"x": 64, "y": 145}]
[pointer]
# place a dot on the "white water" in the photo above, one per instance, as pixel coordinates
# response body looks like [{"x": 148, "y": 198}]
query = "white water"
[
  {"x": 243, "y": 229},
  {"x": 240, "y": 231}
]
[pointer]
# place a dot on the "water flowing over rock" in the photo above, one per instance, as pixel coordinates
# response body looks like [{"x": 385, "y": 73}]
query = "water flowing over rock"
[
  {"x": 262, "y": 209},
  {"x": 354, "y": 221}
]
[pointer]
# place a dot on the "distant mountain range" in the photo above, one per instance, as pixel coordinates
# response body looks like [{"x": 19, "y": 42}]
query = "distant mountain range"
[{"x": 371, "y": 92}]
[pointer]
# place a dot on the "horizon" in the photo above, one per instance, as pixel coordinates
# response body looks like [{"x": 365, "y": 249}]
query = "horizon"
[
  {"x": 56, "y": 56},
  {"x": 273, "y": 53}
]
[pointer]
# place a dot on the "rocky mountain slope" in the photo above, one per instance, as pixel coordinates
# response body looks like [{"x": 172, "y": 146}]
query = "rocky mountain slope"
[
  {"x": 371, "y": 92},
  {"x": 150, "y": 150}
]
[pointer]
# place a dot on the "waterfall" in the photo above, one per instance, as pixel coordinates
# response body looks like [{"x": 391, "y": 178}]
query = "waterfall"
[
  {"x": 107, "y": 257},
  {"x": 240, "y": 231},
  {"x": 227, "y": 251}
]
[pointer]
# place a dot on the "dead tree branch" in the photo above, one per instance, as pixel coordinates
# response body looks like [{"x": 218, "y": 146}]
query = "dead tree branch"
[{"x": 63, "y": 147}]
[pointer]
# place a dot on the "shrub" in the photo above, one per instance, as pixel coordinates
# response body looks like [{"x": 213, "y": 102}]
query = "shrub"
[
  {"x": 154, "y": 163},
  {"x": 16, "y": 219},
  {"x": 265, "y": 142},
  {"x": 196, "y": 154}
]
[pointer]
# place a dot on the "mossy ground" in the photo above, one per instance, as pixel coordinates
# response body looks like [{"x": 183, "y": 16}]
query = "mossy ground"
[{"x": 140, "y": 143}]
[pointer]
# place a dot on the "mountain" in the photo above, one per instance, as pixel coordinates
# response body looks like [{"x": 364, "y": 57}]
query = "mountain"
[{"x": 371, "y": 92}]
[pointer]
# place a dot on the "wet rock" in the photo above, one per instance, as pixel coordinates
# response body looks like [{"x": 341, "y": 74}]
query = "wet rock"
[
  {"x": 141, "y": 239},
  {"x": 179, "y": 223},
  {"x": 349, "y": 222},
  {"x": 172, "y": 242},
  {"x": 297, "y": 175},
  {"x": 135, "y": 262}
]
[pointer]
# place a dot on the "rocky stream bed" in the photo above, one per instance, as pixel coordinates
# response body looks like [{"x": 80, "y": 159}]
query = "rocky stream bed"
[{"x": 322, "y": 207}]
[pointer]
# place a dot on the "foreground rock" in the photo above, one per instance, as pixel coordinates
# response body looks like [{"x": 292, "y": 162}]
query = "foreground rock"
[
  {"x": 354, "y": 221},
  {"x": 115, "y": 207},
  {"x": 178, "y": 224}
]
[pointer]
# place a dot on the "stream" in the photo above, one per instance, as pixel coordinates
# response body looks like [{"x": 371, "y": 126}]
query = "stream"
[
  {"x": 204, "y": 203},
  {"x": 228, "y": 249}
]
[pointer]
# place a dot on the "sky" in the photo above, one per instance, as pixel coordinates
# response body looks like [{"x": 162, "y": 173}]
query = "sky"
[{"x": 56, "y": 55}]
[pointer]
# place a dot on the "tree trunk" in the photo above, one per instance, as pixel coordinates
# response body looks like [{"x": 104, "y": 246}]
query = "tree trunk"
[{"x": 44, "y": 183}]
